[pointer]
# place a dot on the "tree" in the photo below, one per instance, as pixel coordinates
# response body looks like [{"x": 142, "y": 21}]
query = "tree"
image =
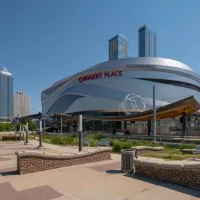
[
  {"x": 6, "y": 127},
  {"x": 31, "y": 126},
  {"x": 17, "y": 126}
]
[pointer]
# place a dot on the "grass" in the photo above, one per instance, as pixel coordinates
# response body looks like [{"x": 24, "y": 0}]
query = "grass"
[{"x": 169, "y": 153}]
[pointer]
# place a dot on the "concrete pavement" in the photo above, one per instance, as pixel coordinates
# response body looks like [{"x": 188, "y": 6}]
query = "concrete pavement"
[{"x": 93, "y": 181}]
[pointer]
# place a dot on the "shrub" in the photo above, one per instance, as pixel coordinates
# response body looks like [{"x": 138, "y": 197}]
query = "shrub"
[
  {"x": 117, "y": 146},
  {"x": 6, "y": 127},
  {"x": 127, "y": 145},
  {"x": 183, "y": 146},
  {"x": 63, "y": 140},
  {"x": 56, "y": 139},
  {"x": 93, "y": 143},
  {"x": 10, "y": 138}
]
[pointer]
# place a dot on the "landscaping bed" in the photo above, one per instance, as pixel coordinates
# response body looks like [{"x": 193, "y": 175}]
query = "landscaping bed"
[{"x": 10, "y": 138}]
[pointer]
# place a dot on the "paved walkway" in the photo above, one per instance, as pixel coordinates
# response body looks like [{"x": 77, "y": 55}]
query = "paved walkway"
[{"x": 93, "y": 181}]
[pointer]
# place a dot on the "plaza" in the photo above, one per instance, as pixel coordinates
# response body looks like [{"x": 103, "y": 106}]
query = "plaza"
[{"x": 100, "y": 180}]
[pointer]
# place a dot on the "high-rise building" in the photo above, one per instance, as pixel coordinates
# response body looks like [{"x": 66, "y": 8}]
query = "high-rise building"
[
  {"x": 6, "y": 95},
  {"x": 21, "y": 104},
  {"x": 118, "y": 47},
  {"x": 147, "y": 42}
]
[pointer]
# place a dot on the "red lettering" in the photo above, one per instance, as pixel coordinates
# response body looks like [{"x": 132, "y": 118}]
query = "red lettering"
[
  {"x": 80, "y": 79},
  {"x": 94, "y": 76},
  {"x": 100, "y": 75},
  {"x": 106, "y": 74},
  {"x": 91, "y": 76},
  {"x": 113, "y": 74}
]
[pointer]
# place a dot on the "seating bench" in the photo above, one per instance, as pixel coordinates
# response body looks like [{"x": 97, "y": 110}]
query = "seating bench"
[
  {"x": 87, "y": 142},
  {"x": 105, "y": 143},
  {"x": 196, "y": 151}
]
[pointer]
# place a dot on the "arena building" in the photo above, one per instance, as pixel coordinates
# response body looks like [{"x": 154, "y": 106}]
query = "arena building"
[{"x": 99, "y": 90}]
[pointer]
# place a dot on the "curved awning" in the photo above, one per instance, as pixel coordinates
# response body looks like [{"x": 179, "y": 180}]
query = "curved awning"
[{"x": 188, "y": 105}]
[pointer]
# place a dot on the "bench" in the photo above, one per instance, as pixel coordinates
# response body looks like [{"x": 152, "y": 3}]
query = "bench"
[
  {"x": 104, "y": 143},
  {"x": 87, "y": 142},
  {"x": 196, "y": 151}
]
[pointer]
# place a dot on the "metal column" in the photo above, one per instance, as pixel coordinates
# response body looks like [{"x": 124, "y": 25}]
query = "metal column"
[
  {"x": 26, "y": 129},
  {"x": 61, "y": 124},
  {"x": 154, "y": 113},
  {"x": 80, "y": 133},
  {"x": 40, "y": 142}
]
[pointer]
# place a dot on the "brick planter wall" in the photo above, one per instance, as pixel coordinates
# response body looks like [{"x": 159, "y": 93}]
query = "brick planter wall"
[
  {"x": 183, "y": 174},
  {"x": 29, "y": 162}
]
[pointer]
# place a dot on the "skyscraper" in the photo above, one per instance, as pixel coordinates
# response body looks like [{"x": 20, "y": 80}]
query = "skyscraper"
[
  {"x": 6, "y": 95},
  {"x": 147, "y": 42},
  {"x": 118, "y": 47},
  {"x": 21, "y": 104}
]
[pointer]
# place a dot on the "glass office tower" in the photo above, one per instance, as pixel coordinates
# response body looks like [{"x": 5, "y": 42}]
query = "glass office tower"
[
  {"x": 118, "y": 47},
  {"x": 147, "y": 42},
  {"x": 6, "y": 95}
]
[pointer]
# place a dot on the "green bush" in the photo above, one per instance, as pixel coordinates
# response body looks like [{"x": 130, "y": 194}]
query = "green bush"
[
  {"x": 185, "y": 146},
  {"x": 127, "y": 145},
  {"x": 63, "y": 140},
  {"x": 119, "y": 145},
  {"x": 93, "y": 143},
  {"x": 56, "y": 139},
  {"x": 6, "y": 127}
]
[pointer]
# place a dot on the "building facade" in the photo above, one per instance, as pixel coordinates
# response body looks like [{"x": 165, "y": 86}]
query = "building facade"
[
  {"x": 21, "y": 104},
  {"x": 147, "y": 42},
  {"x": 6, "y": 95},
  {"x": 99, "y": 90},
  {"x": 118, "y": 47}
]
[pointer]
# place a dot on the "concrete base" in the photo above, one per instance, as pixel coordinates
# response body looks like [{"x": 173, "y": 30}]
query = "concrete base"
[
  {"x": 40, "y": 147},
  {"x": 26, "y": 143}
]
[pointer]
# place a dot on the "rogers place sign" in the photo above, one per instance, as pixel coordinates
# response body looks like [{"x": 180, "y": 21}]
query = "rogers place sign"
[{"x": 99, "y": 75}]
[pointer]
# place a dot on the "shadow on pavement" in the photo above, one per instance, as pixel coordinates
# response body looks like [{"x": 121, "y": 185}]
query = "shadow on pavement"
[
  {"x": 172, "y": 186},
  {"x": 113, "y": 171},
  {"x": 9, "y": 173}
]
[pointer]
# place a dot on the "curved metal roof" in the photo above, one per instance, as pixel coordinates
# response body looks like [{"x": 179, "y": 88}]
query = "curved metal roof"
[{"x": 129, "y": 63}]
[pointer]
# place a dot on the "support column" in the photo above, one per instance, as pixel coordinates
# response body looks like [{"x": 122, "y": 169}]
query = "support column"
[
  {"x": 61, "y": 124},
  {"x": 149, "y": 127},
  {"x": 184, "y": 126},
  {"x": 154, "y": 113},
  {"x": 20, "y": 132},
  {"x": 26, "y": 129},
  {"x": 44, "y": 126},
  {"x": 125, "y": 125},
  {"x": 40, "y": 141},
  {"x": 80, "y": 133}
]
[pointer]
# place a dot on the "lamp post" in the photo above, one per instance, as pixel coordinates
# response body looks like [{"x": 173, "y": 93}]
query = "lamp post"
[
  {"x": 80, "y": 132},
  {"x": 20, "y": 132},
  {"x": 26, "y": 129},
  {"x": 61, "y": 125},
  {"x": 154, "y": 113},
  {"x": 40, "y": 141}
]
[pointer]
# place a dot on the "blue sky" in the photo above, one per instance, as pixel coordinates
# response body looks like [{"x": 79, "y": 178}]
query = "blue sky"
[{"x": 42, "y": 41}]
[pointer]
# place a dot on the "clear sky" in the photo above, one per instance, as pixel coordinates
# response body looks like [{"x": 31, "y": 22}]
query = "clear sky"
[{"x": 42, "y": 41}]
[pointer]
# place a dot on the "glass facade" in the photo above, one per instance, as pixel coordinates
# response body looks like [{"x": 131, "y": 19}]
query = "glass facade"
[
  {"x": 147, "y": 42},
  {"x": 118, "y": 47},
  {"x": 6, "y": 95}
]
